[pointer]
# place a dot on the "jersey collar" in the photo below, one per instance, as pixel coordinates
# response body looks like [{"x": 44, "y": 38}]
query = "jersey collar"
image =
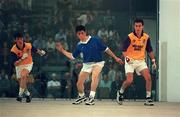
[
  {"x": 85, "y": 42},
  {"x": 136, "y": 34},
  {"x": 19, "y": 48}
]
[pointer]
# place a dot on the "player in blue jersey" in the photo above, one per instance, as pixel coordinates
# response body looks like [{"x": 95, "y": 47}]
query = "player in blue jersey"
[{"x": 91, "y": 49}]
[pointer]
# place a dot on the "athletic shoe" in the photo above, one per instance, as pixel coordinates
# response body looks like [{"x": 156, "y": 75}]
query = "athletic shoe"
[
  {"x": 79, "y": 100},
  {"x": 90, "y": 101},
  {"x": 149, "y": 102},
  {"x": 19, "y": 98},
  {"x": 119, "y": 98},
  {"x": 28, "y": 99}
]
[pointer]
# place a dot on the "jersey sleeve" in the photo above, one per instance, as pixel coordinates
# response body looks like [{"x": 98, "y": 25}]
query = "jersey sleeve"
[
  {"x": 148, "y": 46},
  {"x": 13, "y": 57},
  {"x": 76, "y": 52},
  {"x": 126, "y": 44},
  {"x": 101, "y": 45}
]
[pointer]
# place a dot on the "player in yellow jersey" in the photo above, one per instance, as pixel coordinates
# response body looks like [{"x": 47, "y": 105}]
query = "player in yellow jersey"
[
  {"x": 21, "y": 58},
  {"x": 134, "y": 50}
]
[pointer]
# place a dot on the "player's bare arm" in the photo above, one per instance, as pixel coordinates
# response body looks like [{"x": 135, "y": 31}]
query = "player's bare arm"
[
  {"x": 60, "y": 48},
  {"x": 117, "y": 59},
  {"x": 153, "y": 60}
]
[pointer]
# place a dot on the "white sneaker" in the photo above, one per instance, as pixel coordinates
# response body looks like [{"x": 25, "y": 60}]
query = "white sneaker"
[
  {"x": 79, "y": 100},
  {"x": 149, "y": 102},
  {"x": 90, "y": 101},
  {"x": 119, "y": 98}
]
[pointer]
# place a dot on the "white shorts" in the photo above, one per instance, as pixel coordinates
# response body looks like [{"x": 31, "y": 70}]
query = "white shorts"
[
  {"x": 87, "y": 67},
  {"x": 135, "y": 65},
  {"x": 21, "y": 67}
]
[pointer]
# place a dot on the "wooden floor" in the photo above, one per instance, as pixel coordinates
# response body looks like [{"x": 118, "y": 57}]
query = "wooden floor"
[{"x": 104, "y": 108}]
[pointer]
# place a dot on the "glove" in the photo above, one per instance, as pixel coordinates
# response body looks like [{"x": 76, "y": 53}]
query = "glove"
[
  {"x": 42, "y": 52},
  {"x": 24, "y": 56}
]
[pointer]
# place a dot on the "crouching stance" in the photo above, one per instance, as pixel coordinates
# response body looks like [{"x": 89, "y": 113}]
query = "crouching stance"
[
  {"x": 91, "y": 49},
  {"x": 21, "y": 58},
  {"x": 134, "y": 50}
]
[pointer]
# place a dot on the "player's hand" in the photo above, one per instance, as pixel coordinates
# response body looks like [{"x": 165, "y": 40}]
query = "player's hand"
[
  {"x": 59, "y": 46},
  {"x": 154, "y": 66},
  {"x": 42, "y": 52},
  {"x": 118, "y": 60},
  {"x": 24, "y": 56}
]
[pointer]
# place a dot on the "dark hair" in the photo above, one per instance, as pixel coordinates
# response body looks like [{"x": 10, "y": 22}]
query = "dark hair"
[
  {"x": 139, "y": 21},
  {"x": 17, "y": 35},
  {"x": 80, "y": 28}
]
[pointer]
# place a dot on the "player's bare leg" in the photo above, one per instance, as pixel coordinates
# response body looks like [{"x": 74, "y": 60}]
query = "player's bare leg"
[
  {"x": 126, "y": 83},
  {"x": 23, "y": 86},
  {"x": 80, "y": 86},
  {"x": 94, "y": 83},
  {"x": 145, "y": 73}
]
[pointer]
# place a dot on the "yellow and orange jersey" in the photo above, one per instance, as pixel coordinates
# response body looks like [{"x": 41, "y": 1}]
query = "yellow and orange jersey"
[
  {"x": 26, "y": 49},
  {"x": 135, "y": 47}
]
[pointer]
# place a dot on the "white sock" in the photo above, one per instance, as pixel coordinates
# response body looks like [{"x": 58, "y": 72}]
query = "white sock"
[
  {"x": 121, "y": 90},
  {"x": 27, "y": 93},
  {"x": 81, "y": 94},
  {"x": 92, "y": 94},
  {"x": 21, "y": 91},
  {"x": 148, "y": 93}
]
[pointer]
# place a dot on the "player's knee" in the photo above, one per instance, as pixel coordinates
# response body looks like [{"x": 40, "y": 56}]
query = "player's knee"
[
  {"x": 95, "y": 79},
  {"x": 129, "y": 81},
  {"x": 23, "y": 75}
]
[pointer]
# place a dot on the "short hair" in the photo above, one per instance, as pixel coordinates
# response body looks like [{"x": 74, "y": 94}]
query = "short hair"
[
  {"x": 80, "y": 28},
  {"x": 139, "y": 21},
  {"x": 17, "y": 35}
]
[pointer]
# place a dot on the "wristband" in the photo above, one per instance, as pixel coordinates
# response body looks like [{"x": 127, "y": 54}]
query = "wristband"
[{"x": 153, "y": 60}]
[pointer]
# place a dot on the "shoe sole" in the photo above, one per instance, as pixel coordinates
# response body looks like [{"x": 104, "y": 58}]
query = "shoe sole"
[
  {"x": 149, "y": 104},
  {"x": 76, "y": 103},
  {"x": 28, "y": 101},
  {"x": 89, "y": 104}
]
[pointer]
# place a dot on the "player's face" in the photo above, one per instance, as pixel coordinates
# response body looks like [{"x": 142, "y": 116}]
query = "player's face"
[
  {"x": 19, "y": 42},
  {"x": 138, "y": 27},
  {"x": 81, "y": 35}
]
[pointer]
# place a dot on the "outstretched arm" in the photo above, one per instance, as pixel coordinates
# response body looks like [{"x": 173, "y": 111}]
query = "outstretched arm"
[
  {"x": 117, "y": 59},
  {"x": 39, "y": 51},
  {"x": 60, "y": 48}
]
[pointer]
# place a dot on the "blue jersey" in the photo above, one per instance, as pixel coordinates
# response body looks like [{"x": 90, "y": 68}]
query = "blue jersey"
[{"x": 91, "y": 49}]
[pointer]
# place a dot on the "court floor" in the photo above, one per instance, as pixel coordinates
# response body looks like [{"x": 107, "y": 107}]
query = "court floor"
[{"x": 103, "y": 108}]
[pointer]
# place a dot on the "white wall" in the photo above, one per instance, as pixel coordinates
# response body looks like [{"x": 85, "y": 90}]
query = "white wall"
[
  {"x": 151, "y": 29},
  {"x": 169, "y": 55}
]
